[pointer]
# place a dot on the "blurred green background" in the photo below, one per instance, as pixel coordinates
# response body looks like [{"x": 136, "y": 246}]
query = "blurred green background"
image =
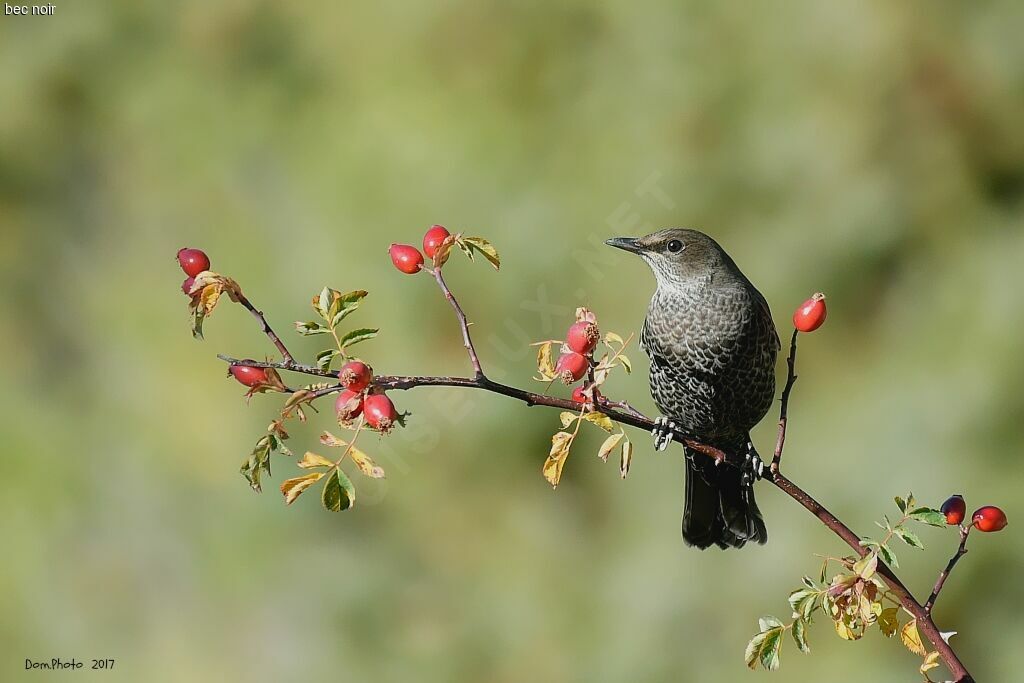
[{"x": 871, "y": 150}]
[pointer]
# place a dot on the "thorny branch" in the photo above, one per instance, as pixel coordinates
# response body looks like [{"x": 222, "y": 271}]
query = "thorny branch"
[
  {"x": 944, "y": 574},
  {"x": 633, "y": 418}
]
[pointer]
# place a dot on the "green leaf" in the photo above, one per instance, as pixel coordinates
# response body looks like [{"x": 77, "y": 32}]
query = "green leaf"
[
  {"x": 322, "y": 303},
  {"x": 486, "y": 248},
  {"x": 257, "y": 463},
  {"x": 901, "y": 504},
  {"x": 356, "y": 336},
  {"x": 325, "y": 358},
  {"x": 803, "y": 602},
  {"x": 768, "y": 622},
  {"x": 626, "y": 364},
  {"x": 770, "y": 649},
  {"x": 308, "y": 329},
  {"x": 753, "y": 651},
  {"x": 909, "y": 537},
  {"x": 339, "y": 493},
  {"x": 928, "y": 516},
  {"x": 800, "y": 635},
  {"x": 345, "y": 304},
  {"x": 888, "y": 556}
]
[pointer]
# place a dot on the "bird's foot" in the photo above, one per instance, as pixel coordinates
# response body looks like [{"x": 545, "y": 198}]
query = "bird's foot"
[
  {"x": 663, "y": 432},
  {"x": 753, "y": 466}
]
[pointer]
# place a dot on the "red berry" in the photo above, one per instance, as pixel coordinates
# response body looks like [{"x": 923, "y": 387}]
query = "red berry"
[
  {"x": 380, "y": 412},
  {"x": 348, "y": 405},
  {"x": 989, "y": 518},
  {"x": 578, "y": 395},
  {"x": 571, "y": 367},
  {"x": 811, "y": 314},
  {"x": 406, "y": 258},
  {"x": 186, "y": 286},
  {"x": 432, "y": 240},
  {"x": 954, "y": 508},
  {"x": 249, "y": 376},
  {"x": 355, "y": 375},
  {"x": 193, "y": 261},
  {"x": 582, "y": 337}
]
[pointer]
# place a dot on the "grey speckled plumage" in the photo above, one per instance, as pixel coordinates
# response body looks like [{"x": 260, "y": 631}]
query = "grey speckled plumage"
[{"x": 713, "y": 347}]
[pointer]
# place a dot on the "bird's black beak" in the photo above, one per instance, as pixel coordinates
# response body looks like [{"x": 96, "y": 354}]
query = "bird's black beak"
[{"x": 625, "y": 243}]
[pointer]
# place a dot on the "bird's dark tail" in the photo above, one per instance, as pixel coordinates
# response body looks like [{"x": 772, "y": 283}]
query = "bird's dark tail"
[{"x": 720, "y": 509}]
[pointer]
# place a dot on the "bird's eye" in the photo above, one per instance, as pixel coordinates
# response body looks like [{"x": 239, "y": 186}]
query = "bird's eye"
[{"x": 674, "y": 246}]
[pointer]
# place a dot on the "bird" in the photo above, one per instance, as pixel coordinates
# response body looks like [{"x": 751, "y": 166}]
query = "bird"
[{"x": 713, "y": 347}]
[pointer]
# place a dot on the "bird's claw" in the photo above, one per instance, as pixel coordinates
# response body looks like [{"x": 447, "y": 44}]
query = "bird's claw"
[
  {"x": 663, "y": 432},
  {"x": 753, "y": 466}
]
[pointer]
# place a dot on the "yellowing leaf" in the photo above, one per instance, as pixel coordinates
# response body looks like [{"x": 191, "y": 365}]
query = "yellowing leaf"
[
  {"x": 444, "y": 250},
  {"x": 888, "y": 621},
  {"x": 626, "y": 364},
  {"x": 561, "y": 442},
  {"x": 485, "y": 248},
  {"x": 545, "y": 365},
  {"x": 568, "y": 418},
  {"x": 601, "y": 420},
  {"x": 930, "y": 662},
  {"x": 612, "y": 338},
  {"x": 627, "y": 458},
  {"x": 866, "y": 566},
  {"x": 293, "y": 488},
  {"x": 311, "y": 459},
  {"x": 845, "y": 632},
  {"x": 912, "y": 639},
  {"x": 366, "y": 464},
  {"x": 609, "y": 445}
]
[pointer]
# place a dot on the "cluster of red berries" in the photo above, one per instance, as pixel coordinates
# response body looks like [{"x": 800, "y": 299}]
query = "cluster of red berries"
[
  {"x": 408, "y": 258},
  {"x": 811, "y": 314},
  {"x": 193, "y": 262},
  {"x": 987, "y": 518},
  {"x": 580, "y": 340},
  {"x": 377, "y": 409}
]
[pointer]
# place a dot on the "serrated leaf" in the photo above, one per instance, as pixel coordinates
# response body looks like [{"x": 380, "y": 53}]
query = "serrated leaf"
[
  {"x": 626, "y": 459},
  {"x": 601, "y": 420},
  {"x": 338, "y": 493},
  {"x": 770, "y": 649},
  {"x": 365, "y": 464},
  {"x": 311, "y": 459},
  {"x": 800, "y": 636},
  {"x": 768, "y": 622},
  {"x": 753, "y": 651},
  {"x": 485, "y": 248},
  {"x": 888, "y": 621},
  {"x": 293, "y": 488},
  {"x": 912, "y": 639},
  {"x": 908, "y": 537},
  {"x": 567, "y": 418},
  {"x": 344, "y": 304},
  {"x": 356, "y": 336},
  {"x": 609, "y": 445},
  {"x": 888, "y": 556},
  {"x": 928, "y": 516},
  {"x": 310, "y": 328},
  {"x": 325, "y": 358},
  {"x": 803, "y": 602},
  {"x": 561, "y": 442},
  {"x": 322, "y": 303}
]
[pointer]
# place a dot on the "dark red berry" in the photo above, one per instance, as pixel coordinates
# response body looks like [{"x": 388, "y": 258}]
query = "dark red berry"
[
  {"x": 578, "y": 396},
  {"x": 193, "y": 261},
  {"x": 571, "y": 367},
  {"x": 249, "y": 376},
  {"x": 380, "y": 412},
  {"x": 811, "y": 314},
  {"x": 954, "y": 508},
  {"x": 406, "y": 258},
  {"x": 989, "y": 518},
  {"x": 355, "y": 375},
  {"x": 582, "y": 337},
  {"x": 432, "y": 240},
  {"x": 186, "y": 286},
  {"x": 348, "y": 405}
]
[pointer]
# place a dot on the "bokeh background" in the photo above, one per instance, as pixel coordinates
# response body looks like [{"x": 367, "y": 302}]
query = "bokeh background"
[{"x": 871, "y": 150}]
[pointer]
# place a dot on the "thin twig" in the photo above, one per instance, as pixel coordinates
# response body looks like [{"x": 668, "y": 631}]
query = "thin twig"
[
  {"x": 269, "y": 331},
  {"x": 780, "y": 442},
  {"x": 467, "y": 340},
  {"x": 941, "y": 581}
]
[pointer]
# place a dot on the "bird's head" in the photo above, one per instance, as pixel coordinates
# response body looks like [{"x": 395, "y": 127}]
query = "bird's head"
[{"x": 677, "y": 255}]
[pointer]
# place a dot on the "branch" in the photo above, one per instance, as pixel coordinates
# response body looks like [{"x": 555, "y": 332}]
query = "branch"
[
  {"x": 944, "y": 574},
  {"x": 636, "y": 419},
  {"x": 780, "y": 441},
  {"x": 269, "y": 331}
]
